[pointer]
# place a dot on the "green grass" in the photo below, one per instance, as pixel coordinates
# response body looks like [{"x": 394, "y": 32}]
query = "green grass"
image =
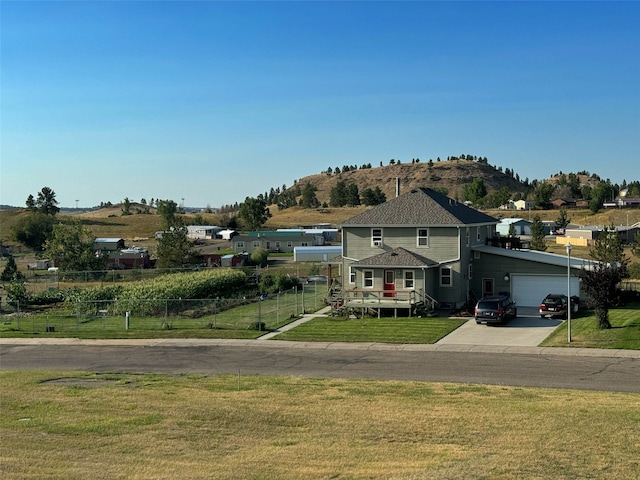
[
  {"x": 194, "y": 320},
  {"x": 384, "y": 330},
  {"x": 624, "y": 334},
  {"x": 76, "y": 425}
]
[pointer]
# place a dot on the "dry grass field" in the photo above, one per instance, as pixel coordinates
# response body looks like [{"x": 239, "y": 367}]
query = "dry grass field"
[{"x": 59, "y": 425}]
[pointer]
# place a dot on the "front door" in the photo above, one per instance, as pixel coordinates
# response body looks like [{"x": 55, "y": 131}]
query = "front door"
[
  {"x": 487, "y": 287},
  {"x": 389, "y": 283}
]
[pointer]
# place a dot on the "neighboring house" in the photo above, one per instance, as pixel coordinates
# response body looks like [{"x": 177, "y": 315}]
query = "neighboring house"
[
  {"x": 524, "y": 205},
  {"x": 520, "y": 226},
  {"x": 329, "y": 234},
  {"x": 119, "y": 256},
  {"x": 274, "y": 242},
  {"x": 108, "y": 244},
  {"x": 425, "y": 249},
  {"x": 134, "y": 257},
  {"x": 588, "y": 234},
  {"x": 230, "y": 260},
  {"x": 563, "y": 202},
  {"x": 202, "y": 232},
  {"x": 623, "y": 202}
]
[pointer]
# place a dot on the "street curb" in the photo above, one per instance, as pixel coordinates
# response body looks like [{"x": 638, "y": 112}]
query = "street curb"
[{"x": 283, "y": 344}]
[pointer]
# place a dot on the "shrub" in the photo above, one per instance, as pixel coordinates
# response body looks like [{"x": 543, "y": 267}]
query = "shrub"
[
  {"x": 278, "y": 282},
  {"x": 48, "y": 297}
]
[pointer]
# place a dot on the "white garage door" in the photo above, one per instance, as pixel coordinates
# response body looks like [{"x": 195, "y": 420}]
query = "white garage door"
[{"x": 529, "y": 290}]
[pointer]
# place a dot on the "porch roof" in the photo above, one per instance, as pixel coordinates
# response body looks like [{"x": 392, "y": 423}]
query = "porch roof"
[{"x": 398, "y": 257}]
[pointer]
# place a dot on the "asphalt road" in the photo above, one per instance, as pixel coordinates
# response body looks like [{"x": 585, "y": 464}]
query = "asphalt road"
[{"x": 606, "y": 370}]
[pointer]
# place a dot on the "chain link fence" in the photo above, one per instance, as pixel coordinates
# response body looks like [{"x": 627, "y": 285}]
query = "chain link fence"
[{"x": 258, "y": 313}]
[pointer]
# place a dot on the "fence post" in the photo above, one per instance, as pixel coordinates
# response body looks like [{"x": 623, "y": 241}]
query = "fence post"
[{"x": 127, "y": 318}]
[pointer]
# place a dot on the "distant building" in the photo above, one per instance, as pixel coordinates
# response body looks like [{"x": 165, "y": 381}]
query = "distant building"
[
  {"x": 202, "y": 232},
  {"x": 520, "y": 226},
  {"x": 274, "y": 241},
  {"x": 316, "y": 254}
]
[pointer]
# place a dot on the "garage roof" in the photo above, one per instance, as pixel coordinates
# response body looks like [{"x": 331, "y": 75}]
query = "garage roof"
[{"x": 534, "y": 256}]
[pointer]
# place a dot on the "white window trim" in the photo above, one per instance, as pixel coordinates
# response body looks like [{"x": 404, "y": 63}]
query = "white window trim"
[
  {"x": 377, "y": 240},
  {"x": 364, "y": 279},
  {"x": 352, "y": 275},
  {"x": 418, "y": 237},
  {"x": 404, "y": 278},
  {"x": 478, "y": 234},
  {"x": 240, "y": 244},
  {"x": 442, "y": 270},
  {"x": 256, "y": 243}
]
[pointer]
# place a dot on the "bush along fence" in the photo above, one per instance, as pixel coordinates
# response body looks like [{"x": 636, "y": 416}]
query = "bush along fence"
[{"x": 261, "y": 313}]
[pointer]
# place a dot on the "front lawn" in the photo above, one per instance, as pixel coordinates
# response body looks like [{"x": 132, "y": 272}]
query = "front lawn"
[
  {"x": 367, "y": 329},
  {"x": 624, "y": 334}
]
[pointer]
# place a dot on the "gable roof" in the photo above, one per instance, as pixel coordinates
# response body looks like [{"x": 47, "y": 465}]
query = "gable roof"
[
  {"x": 516, "y": 221},
  {"x": 421, "y": 206},
  {"x": 398, "y": 257}
]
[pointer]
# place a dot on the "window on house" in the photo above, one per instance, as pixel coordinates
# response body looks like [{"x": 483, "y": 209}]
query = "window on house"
[
  {"x": 278, "y": 245},
  {"x": 470, "y": 271},
  {"x": 445, "y": 276},
  {"x": 352, "y": 275},
  {"x": 477, "y": 234},
  {"x": 256, "y": 243},
  {"x": 408, "y": 279},
  {"x": 240, "y": 244},
  {"x": 368, "y": 278},
  {"x": 289, "y": 244},
  {"x": 423, "y": 237},
  {"x": 376, "y": 237},
  {"x": 304, "y": 244},
  {"x": 468, "y": 235}
]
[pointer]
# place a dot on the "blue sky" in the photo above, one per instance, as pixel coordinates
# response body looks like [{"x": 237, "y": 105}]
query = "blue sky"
[{"x": 212, "y": 102}]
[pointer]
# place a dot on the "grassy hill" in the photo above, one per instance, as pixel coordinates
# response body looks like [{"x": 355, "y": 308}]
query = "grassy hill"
[{"x": 450, "y": 175}]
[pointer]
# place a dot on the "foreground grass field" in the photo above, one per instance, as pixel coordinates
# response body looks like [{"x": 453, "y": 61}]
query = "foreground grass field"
[{"x": 59, "y": 425}]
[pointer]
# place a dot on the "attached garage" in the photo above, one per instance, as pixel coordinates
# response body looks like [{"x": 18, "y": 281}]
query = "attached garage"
[{"x": 529, "y": 290}]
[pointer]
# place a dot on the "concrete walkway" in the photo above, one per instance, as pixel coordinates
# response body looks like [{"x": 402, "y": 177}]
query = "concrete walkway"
[{"x": 305, "y": 318}]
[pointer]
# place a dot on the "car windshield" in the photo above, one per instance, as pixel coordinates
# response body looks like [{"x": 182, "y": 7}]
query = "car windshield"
[
  {"x": 553, "y": 301},
  {"x": 486, "y": 305}
]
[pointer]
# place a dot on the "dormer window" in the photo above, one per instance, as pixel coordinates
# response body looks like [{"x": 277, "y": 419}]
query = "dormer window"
[{"x": 376, "y": 237}]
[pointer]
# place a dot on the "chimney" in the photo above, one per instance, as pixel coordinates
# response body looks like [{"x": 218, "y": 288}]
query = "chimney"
[{"x": 397, "y": 186}]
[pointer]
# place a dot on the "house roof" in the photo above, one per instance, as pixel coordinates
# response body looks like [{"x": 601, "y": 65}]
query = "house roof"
[
  {"x": 509, "y": 221},
  {"x": 535, "y": 256},
  {"x": 398, "y": 257},
  {"x": 423, "y": 207}
]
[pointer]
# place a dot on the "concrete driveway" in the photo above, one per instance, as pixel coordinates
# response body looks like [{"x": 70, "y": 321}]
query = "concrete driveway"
[{"x": 528, "y": 330}]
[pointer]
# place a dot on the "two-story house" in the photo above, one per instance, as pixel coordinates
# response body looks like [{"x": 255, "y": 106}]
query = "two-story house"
[
  {"x": 413, "y": 249},
  {"x": 423, "y": 248}
]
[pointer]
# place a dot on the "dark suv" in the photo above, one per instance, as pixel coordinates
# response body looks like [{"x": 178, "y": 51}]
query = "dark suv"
[
  {"x": 555, "y": 305},
  {"x": 496, "y": 309}
]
